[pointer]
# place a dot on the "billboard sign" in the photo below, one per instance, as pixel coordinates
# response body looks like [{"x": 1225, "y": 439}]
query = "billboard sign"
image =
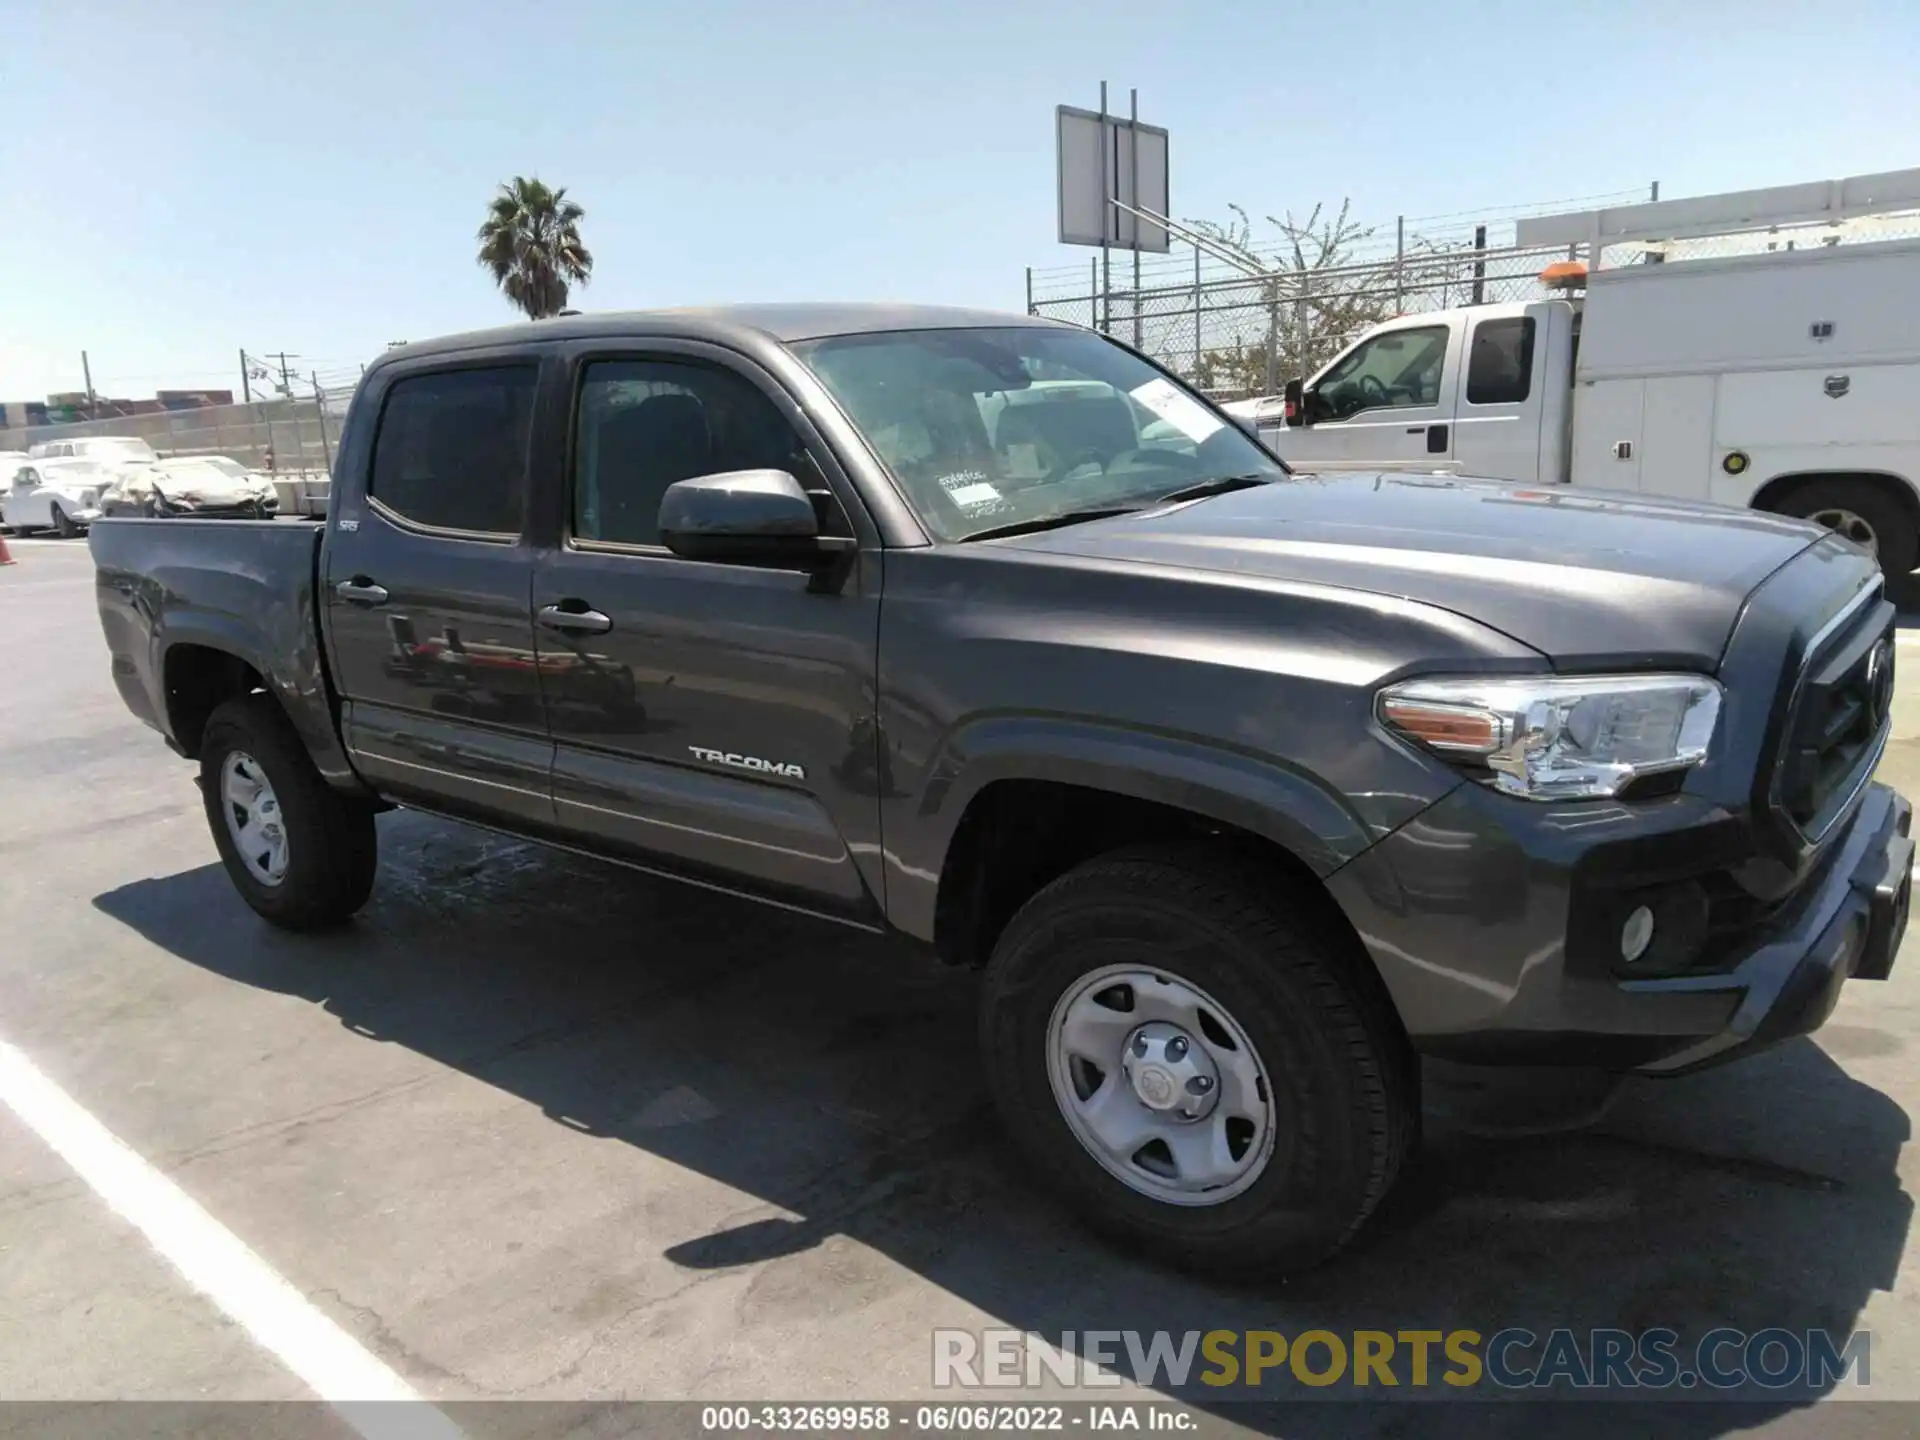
[{"x": 1103, "y": 158}]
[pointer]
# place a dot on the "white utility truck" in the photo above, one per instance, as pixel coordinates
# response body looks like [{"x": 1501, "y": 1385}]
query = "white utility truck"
[{"x": 1784, "y": 380}]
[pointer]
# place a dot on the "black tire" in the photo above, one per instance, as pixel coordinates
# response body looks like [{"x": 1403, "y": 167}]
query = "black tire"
[
  {"x": 62, "y": 525},
  {"x": 1344, "y": 1077},
  {"x": 1897, "y": 544},
  {"x": 332, "y": 848}
]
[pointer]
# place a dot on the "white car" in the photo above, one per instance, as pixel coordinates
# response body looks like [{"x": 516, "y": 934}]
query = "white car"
[
  {"x": 299, "y": 493},
  {"x": 209, "y": 486},
  {"x": 108, "y": 451},
  {"x": 51, "y": 495}
]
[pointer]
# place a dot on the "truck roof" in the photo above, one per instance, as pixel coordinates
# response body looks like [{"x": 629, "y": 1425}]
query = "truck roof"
[{"x": 779, "y": 322}]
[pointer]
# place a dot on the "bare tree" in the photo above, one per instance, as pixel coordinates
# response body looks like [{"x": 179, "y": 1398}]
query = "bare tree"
[{"x": 1313, "y": 296}]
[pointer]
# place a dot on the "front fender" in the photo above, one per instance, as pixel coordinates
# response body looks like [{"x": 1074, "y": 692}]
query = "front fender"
[{"x": 1251, "y": 792}]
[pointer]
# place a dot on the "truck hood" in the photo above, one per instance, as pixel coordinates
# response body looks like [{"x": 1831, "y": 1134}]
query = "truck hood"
[{"x": 1588, "y": 578}]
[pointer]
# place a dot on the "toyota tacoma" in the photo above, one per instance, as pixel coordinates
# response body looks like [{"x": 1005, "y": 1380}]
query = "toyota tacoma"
[{"x": 1244, "y": 789}]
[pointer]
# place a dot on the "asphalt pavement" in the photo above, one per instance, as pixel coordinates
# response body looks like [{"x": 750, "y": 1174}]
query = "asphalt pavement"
[{"x": 535, "y": 1128}]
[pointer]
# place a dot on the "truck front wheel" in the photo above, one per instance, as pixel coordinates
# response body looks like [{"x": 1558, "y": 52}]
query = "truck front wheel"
[
  {"x": 299, "y": 852},
  {"x": 1175, "y": 1046},
  {"x": 1866, "y": 514}
]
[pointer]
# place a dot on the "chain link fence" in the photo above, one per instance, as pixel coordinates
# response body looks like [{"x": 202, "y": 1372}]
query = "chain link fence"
[
  {"x": 1236, "y": 334},
  {"x": 287, "y": 437}
]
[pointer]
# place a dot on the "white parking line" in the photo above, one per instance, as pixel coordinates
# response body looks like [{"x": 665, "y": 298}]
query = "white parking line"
[{"x": 218, "y": 1264}]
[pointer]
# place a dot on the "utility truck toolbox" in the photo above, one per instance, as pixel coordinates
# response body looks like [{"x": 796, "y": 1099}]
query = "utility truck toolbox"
[{"x": 985, "y": 633}]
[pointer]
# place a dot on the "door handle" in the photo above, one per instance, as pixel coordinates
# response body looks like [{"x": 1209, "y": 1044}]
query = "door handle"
[
  {"x": 361, "y": 591},
  {"x": 582, "y": 621}
]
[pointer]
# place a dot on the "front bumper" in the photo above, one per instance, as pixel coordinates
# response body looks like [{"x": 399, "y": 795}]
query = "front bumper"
[
  {"x": 238, "y": 510},
  {"x": 1850, "y": 927},
  {"x": 1477, "y": 916}
]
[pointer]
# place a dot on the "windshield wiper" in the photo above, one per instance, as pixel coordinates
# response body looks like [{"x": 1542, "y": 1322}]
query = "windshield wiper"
[
  {"x": 1225, "y": 485},
  {"x": 1051, "y": 522},
  {"x": 1222, "y": 485}
]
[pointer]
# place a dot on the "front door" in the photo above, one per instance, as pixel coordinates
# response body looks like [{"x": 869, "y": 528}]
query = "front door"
[
  {"x": 1384, "y": 405},
  {"x": 426, "y": 589},
  {"x": 712, "y": 719},
  {"x": 27, "y": 504}
]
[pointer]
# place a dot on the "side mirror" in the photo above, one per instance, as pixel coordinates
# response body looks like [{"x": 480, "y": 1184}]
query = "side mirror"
[
  {"x": 747, "y": 517},
  {"x": 1294, "y": 397}
]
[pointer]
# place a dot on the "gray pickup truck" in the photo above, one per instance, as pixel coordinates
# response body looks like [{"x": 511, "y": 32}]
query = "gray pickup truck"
[{"x": 1245, "y": 789}]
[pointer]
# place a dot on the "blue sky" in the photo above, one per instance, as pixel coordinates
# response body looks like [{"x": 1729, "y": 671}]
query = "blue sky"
[{"x": 183, "y": 180}]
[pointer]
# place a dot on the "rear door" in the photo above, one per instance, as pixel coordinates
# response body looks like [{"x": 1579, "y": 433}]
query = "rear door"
[
  {"x": 426, "y": 588},
  {"x": 1385, "y": 405},
  {"x": 1497, "y": 424},
  {"x": 712, "y": 719}
]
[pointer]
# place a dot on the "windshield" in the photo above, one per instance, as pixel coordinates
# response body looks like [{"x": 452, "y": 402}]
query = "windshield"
[
  {"x": 988, "y": 428},
  {"x": 225, "y": 466},
  {"x": 114, "y": 447},
  {"x": 194, "y": 467}
]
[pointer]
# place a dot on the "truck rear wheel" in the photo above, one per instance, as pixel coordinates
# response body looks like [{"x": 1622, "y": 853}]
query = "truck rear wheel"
[
  {"x": 1177, "y": 1048},
  {"x": 299, "y": 852},
  {"x": 1863, "y": 512}
]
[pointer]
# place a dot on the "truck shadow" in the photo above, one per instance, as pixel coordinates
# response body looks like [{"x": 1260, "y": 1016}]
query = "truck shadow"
[{"x": 836, "y": 1082}]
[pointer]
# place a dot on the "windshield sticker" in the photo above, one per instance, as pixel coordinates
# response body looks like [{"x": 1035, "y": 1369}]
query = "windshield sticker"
[
  {"x": 1177, "y": 408},
  {"x": 971, "y": 491}
]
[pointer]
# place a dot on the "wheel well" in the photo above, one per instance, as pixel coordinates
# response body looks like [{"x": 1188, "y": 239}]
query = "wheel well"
[
  {"x": 1774, "y": 494},
  {"x": 1018, "y": 836},
  {"x": 198, "y": 680}
]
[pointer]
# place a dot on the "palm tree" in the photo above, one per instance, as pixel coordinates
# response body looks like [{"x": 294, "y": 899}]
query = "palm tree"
[{"x": 531, "y": 245}]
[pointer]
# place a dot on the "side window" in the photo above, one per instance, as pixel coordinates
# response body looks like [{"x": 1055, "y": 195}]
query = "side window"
[
  {"x": 1394, "y": 370},
  {"x": 646, "y": 424},
  {"x": 1500, "y": 367},
  {"x": 451, "y": 451}
]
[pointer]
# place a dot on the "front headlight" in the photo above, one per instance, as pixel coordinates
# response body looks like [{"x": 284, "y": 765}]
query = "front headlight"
[{"x": 1546, "y": 738}]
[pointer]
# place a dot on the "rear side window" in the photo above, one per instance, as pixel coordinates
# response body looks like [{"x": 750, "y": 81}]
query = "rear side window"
[
  {"x": 452, "y": 449},
  {"x": 646, "y": 424},
  {"x": 1500, "y": 368}
]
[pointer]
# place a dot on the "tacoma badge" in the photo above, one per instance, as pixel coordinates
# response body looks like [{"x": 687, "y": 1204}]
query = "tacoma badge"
[{"x": 747, "y": 762}]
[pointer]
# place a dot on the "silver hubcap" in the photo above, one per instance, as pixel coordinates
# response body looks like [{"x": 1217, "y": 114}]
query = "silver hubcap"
[
  {"x": 1161, "y": 1085},
  {"x": 253, "y": 818},
  {"x": 1854, "y": 527}
]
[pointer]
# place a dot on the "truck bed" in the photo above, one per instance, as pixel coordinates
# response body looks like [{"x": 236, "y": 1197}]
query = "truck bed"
[{"x": 246, "y": 588}]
